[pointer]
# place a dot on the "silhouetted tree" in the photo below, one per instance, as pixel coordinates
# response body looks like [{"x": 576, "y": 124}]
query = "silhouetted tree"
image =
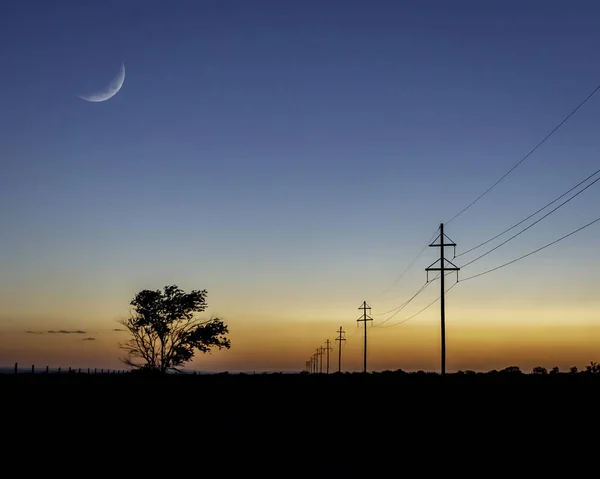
[
  {"x": 593, "y": 368},
  {"x": 539, "y": 370},
  {"x": 512, "y": 370},
  {"x": 573, "y": 370},
  {"x": 555, "y": 370},
  {"x": 165, "y": 333}
]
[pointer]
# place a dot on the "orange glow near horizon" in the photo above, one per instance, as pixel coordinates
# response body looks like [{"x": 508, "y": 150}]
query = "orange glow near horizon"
[{"x": 526, "y": 340}]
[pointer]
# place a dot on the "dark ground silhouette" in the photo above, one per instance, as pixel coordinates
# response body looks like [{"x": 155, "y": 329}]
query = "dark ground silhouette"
[
  {"x": 419, "y": 418},
  {"x": 266, "y": 381}
]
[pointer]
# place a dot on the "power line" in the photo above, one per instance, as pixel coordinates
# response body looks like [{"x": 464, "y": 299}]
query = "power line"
[
  {"x": 420, "y": 311},
  {"x": 406, "y": 269},
  {"x": 403, "y": 305},
  {"x": 406, "y": 303},
  {"x": 532, "y": 252},
  {"x": 355, "y": 331},
  {"x": 532, "y": 224},
  {"x": 398, "y": 309},
  {"x": 530, "y": 216},
  {"x": 526, "y": 156}
]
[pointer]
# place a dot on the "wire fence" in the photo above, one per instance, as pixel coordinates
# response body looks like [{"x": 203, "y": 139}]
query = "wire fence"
[{"x": 58, "y": 370}]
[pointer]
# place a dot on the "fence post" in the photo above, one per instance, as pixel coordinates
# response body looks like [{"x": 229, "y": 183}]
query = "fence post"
[
  {"x": 47, "y": 369},
  {"x": 59, "y": 370},
  {"x": 16, "y": 364},
  {"x": 32, "y": 369},
  {"x": 79, "y": 372},
  {"x": 88, "y": 370}
]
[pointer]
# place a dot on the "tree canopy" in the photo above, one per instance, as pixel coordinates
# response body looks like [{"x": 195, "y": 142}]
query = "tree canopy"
[{"x": 165, "y": 331}]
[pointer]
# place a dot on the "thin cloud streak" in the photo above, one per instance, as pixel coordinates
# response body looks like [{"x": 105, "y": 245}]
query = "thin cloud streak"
[{"x": 58, "y": 331}]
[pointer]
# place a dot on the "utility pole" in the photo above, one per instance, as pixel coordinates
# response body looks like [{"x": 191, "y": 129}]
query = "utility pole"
[
  {"x": 320, "y": 352},
  {"x": 365, "y": 318},
  {"x": 312, "y": 363},
  {"x": 327, "y": 349},
  {"x": 319, "y": 363},
  {"x": 307, "y": 366},
  {"x": 442, "y": 269},
  {"x": 340, "y": 338}
]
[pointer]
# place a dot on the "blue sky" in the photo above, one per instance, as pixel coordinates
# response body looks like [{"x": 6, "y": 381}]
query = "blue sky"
[{"x": 290, "y": 157}]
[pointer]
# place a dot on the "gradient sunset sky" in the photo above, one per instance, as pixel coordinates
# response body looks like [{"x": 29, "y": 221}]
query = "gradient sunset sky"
[{"x": 294, "y": 158}]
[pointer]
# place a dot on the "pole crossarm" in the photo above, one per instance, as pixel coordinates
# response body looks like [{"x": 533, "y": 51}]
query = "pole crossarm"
[
  {"x": 340, "y": 338},
  {"x": 444, "y": 265},
  {"x": 365, "y": 317}
]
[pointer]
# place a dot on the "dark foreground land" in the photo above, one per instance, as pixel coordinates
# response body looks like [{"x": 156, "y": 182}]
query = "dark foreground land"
[
  {"x": 267, "y": 382},
  {"x": 275, "y": 396},
  {"x": 256, "y": 385},
  {"x": 275, "y": 393},
  {"x": 453, "y": 417}
]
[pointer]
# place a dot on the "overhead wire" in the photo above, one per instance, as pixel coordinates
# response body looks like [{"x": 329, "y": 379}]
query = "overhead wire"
[
  {"x": 355, "y": 331},
  {"x": 532, "y": 252},
  {"x": 422, "y": 288},
  {"x": 398, "y": 309},
  {"x": 406, "y": 303},
  {"x": 403, "y": 305},
  {"x": 422, "y": 310},
  {"x": 485, "y": 272},
  {"x": 530, "y": 216},
  {"x": 532, "y": 224},
  {"x": 429, "y": 282},
  {"x": 526, "y": 156},
  {"x": 406, "y": 269}
]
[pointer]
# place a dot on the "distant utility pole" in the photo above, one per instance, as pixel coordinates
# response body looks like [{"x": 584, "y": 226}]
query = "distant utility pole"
[
  {"x": 307, "y": 365},
  {"x": 327, "y": 349},
  {"x": 365, "y": 318},
  {"x": 320, "y": 351},
  {"x": 319, "y": 360},
  {"x": 340, "y": 338},
  {"x": 317, "y": 357},
  {"x": 312, "y": 363},
  {"x": 442, "y": 269}
]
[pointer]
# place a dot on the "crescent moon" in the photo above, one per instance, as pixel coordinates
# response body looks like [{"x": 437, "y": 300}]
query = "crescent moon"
[{"x": 110, "y": 91}]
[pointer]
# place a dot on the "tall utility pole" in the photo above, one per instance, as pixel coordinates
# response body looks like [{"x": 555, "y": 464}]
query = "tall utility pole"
[
  {"x": 320, "y": 352},
  {"x": 327, "y": 349},
  {"x": 307, "y": 365},
  {"x": 442, "y": 269},
  {"x": 365, "y": 318},
  {"x": 340, "y": 338},
  {"x": 319, "y": 362}
]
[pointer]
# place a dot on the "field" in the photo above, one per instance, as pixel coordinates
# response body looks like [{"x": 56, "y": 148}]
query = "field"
[
  {"x": 237, "y": 411},
  {"x": 295, "y": 380}
]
